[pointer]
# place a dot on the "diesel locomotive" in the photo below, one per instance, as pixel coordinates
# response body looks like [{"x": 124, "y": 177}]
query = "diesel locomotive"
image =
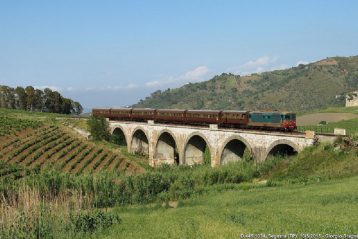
[{"x": 274, "y": 120}]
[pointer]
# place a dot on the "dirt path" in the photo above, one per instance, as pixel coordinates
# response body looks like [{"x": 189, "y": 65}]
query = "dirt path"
[{"x": 314, "y": 119}]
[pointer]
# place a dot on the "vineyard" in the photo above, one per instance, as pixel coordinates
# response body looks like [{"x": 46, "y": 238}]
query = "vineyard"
[
  {"x": 12, "y": 125},
  {"x": 27, "y": 144}
]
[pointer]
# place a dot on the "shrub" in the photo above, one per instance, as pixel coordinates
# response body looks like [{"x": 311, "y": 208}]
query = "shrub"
[
  {"x": 99, "y": 128},
  {"x": 90, "y": 221}
]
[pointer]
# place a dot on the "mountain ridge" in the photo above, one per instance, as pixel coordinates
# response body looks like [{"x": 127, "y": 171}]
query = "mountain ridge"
[{"x": 302, "y": 88}]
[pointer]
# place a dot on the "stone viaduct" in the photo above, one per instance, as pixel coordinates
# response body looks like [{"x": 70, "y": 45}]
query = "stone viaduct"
[{"x": 182, "y": 144}]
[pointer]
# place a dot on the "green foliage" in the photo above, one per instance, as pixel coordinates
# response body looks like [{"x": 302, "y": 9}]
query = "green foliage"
[
  {"x": 37, "y": 100},
  {"x": 314, "y": 164},
  {"x": 99, "y": 128},
  {"x": 33, "y": 225},
  {"x": 118, "y": 139},
  {"x": 12, "y": 125},
  {"x": 91, "y": 221},
  {"x": 230, "y": 212},
  {"x": 299, "y": 89},
  {"x": 207, "y": 156}
]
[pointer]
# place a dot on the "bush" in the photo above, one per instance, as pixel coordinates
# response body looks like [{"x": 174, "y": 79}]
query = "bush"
[
  {"x": 91, "y": 221},
  {"x": 99, "y": 128}
]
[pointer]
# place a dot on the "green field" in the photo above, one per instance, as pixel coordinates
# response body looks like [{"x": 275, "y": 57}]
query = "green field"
[
  {"x": 329, "y": 207},
  {"x": 99, "y": 190},
  {"x": 351, "y": 127}
]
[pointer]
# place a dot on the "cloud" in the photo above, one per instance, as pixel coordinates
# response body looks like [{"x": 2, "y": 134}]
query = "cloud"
[
  {"x": 279, "y": 67},
  {"x": 54, "y": 88},
  {"x": 263, "y": 63},
  {"x": 195, "y": 75},
  {"x": 302, "y": 62}
]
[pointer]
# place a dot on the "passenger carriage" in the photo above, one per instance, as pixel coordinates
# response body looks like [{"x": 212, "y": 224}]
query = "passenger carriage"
[
  {"x": 203, "y": 116},
  {"x": 170, "y": 115},
  {"x": 143, "y": 114},
  {"x": 121, "y": 114}
]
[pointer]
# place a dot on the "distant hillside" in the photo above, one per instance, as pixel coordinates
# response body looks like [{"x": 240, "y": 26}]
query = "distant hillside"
[{"x": 301, "y": 88}]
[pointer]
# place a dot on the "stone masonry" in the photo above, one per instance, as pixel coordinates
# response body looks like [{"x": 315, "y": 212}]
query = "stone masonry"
[{"x": 186, "y": 144}]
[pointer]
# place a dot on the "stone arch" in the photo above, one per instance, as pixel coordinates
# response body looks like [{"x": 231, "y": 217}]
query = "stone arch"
[
  {"x": 139, "y": 141},
  {"x": 233, "y": 149},
  {"x": 282, "y": 147},
  {"x": 194, "y": 149},
  {"x": 122, "y": 137},
  {"x": 166, "y": 148}
]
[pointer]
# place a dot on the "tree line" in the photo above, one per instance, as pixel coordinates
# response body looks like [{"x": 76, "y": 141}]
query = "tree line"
[{"x": 32, "y": 99}]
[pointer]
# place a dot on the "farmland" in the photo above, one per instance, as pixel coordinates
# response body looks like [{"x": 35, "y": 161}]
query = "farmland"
[
  {"x": 54, "y": 183},
  {"x": 46, "y": 143}
]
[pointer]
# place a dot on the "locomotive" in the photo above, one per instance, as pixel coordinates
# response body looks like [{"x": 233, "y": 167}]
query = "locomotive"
[{"x": 273, "y": 120}]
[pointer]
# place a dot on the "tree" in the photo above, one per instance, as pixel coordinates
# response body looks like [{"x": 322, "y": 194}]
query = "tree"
[
  {"x": 77, "y": 108},
  {"x": 38, "y": 100},
  {"x": 21, "y": 98},
  {"x": 99, "y": 128},
  {"x": 2, "y": 97},
  {"x": 66, "y": 106},
  {"x": 53, "y": 101},
  {"x": 7, "y": 97},
  {"x": 30, "y": 100}
]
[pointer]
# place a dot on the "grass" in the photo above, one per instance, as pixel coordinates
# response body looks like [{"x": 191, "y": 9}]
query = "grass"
[
  {"x": 212, "y": 203},
  {"x": 351, "y": 127},
  {"x": 52, "y": 118},
  {"x": 313, "y": 192},
  {"x": 328, "y": 207},
  {"x": 314, "y": 164}
]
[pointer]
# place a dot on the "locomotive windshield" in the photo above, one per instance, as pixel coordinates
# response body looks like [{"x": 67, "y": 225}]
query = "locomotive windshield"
[{"x": 288, "y": 116}]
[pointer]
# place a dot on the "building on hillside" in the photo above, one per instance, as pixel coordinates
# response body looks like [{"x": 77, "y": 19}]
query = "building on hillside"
[{"x": 352, "y": 99}]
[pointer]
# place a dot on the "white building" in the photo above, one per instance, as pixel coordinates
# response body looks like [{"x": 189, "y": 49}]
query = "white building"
[{"x": 352, "y": 99}]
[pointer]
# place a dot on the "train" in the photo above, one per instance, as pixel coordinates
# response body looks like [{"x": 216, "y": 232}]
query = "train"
[{"x": 270, "y": 120}]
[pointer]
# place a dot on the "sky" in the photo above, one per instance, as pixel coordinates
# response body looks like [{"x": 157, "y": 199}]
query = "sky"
[{"x": 113, "y": 53}]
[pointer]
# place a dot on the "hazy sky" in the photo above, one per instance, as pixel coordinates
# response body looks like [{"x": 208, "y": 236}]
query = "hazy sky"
[{"x": 113, "y": 53}]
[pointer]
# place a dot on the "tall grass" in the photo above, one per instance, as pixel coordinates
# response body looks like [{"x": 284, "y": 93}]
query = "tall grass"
[{"x": 46, "y": 203}]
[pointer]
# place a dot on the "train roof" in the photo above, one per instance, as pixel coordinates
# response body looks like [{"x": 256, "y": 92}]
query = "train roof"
[
  {"x": 265, "y": 112},
  {"x": 204, "y": 111},
  {"x": 236, "y": 111},
  {"x": 143, "y": 109},
  {"x": 271, "y": 112},
  {"x": 171, "y": 110},
  {"x": 100, "y": 108},
  {"x": 123, "y": 109}
]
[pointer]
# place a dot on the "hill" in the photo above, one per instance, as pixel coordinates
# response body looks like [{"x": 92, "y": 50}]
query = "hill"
[
  {"x": 302, "y": 88},
  {"x": 40, "y": 141}
]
